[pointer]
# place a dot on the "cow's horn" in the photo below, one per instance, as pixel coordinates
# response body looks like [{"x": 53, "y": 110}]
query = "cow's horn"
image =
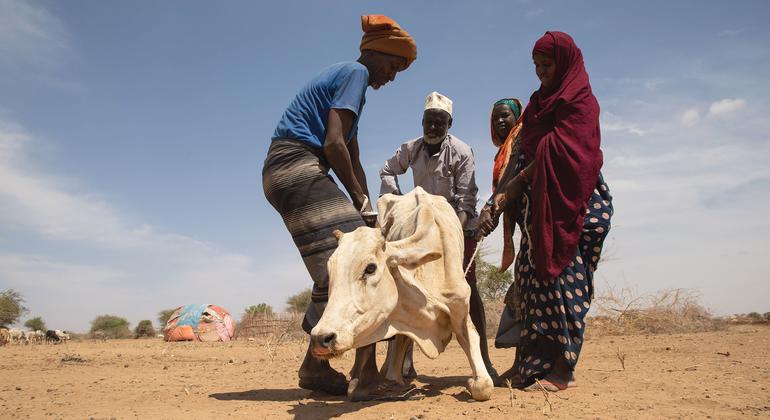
[{"x": 338, "y": 234}]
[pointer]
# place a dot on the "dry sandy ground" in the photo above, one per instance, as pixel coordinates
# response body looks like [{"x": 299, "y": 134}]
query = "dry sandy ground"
[{"x": 718, "y": 375}]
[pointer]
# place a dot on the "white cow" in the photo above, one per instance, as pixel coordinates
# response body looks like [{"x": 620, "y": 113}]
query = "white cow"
[
  {"x": 404, "y": 279},
  {"x": 17, "y": 336},
  {"x": 34, "y": 336},
  {"x": 63, "y": 335}
]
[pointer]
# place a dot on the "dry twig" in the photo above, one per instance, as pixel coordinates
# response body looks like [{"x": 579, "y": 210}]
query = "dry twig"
[
  {"x": 545, "y": 394},
  {"x": 510, "y": 391},
  {"x": 622, "y": 357}
]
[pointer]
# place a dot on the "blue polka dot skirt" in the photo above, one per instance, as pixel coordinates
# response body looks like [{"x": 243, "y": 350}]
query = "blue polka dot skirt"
[{"x": 553, "y": 311}]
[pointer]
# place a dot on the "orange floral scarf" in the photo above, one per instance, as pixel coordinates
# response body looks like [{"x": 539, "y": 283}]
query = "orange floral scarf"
[{"x": 502, "y": 158}]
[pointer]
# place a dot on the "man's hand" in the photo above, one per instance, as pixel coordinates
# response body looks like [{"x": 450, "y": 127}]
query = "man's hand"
[{"x": 362, "y": 203}]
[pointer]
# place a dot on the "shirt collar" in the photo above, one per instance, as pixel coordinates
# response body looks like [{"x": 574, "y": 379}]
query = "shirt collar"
[{"x": 444, "y": 144}]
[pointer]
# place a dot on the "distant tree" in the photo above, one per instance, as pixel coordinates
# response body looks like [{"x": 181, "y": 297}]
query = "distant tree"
[
  {"x": 491, "y": 283},
  {"x": 164, "y": 315},
  {"x": 300, "y": 301},
  {"x": 113, "y": 326},
  {"x": 755, "y": 317},
  {"x": 35, "y": 324},
  {"x": 11, "y": 307},
  {"x": 766, "y": 315},
  {"x": 261, "y": 309},
  {"x": 144, "y": 329}
]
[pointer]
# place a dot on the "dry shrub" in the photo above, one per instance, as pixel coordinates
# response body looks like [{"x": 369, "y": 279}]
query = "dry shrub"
[
  {"x": 749, "y": 318},
  {"x": 663, "y": 312},
  {"x": 287, "y": 325},
  {"x": 492, "y": 311}
]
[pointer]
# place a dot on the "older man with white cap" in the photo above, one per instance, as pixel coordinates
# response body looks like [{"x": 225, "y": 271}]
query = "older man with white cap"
[{"x": 443, "y": 165}]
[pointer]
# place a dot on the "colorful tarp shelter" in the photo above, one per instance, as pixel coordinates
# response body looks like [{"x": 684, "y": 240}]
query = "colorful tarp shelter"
[{"x": 199, "y": 322}]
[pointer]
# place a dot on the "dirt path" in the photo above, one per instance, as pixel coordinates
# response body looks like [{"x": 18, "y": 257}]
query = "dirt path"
[{"x": 717, "y": 375}]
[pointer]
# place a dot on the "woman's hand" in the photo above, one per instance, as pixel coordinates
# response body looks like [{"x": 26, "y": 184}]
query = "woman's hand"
[
  {"x": 511, "y": 193},
  {"x": 487, "y": 221}
]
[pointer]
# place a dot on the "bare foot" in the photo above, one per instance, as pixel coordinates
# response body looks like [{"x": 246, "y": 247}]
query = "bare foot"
[
  {"x": 380, "y": 389},
  {"x": 511, "y": 375},
  {"x": 552, "y": 383},
  {"x": 317, "y": 375},
  {"x": 332, "y": 383},
  {"x": 548, "y": 385}
]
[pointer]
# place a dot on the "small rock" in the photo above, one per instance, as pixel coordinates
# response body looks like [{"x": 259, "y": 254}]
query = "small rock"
[
  {"x": 165, "y": 367},
  {"x": 125, "y": 366},
  {"x": 18, "y": 388}
]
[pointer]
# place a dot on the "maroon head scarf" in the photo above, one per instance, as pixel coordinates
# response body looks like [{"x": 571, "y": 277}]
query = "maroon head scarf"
[{"x": 561, "y": 135}]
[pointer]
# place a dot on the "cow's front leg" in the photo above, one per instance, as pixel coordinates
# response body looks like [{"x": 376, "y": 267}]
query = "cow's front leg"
[
  {"x": 364, "y": 373},
  {"x": 480, "y": 385},
  {"x": 393, "y": 367}
]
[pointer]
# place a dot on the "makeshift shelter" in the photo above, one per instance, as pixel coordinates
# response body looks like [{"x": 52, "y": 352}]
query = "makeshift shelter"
[{"x": 199, "y": 322}]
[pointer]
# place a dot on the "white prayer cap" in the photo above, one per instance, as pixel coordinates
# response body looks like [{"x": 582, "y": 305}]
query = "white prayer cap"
[{"x": 438, "y": 101}]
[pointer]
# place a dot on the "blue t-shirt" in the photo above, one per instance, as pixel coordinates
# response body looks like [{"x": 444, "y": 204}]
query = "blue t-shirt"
[{"x": 341, "y": 86}]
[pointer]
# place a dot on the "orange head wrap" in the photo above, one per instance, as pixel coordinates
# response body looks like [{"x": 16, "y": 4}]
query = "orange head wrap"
[{"x": 383, "y": 34}]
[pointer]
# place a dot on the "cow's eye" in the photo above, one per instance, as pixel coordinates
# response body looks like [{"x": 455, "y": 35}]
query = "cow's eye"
[{"x": 370, "y": 268}]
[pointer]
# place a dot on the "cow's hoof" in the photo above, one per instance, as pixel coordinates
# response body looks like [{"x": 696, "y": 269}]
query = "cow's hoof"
[{"x": 480, "y": 388}]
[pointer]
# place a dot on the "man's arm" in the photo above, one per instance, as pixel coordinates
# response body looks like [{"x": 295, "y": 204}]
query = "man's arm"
[
  {"x": 396, "y": 165},
  {"x": 338, "y": 155},
  {"x": 358, "y": 170},
  {"x": 467, "y": 191}
]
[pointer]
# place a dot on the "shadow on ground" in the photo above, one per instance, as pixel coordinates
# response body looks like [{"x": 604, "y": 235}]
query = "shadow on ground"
[{"x": 326, "y": 406}]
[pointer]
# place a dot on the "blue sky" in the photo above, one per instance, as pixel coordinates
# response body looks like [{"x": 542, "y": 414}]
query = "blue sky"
[{"x": 132, "y": 137}]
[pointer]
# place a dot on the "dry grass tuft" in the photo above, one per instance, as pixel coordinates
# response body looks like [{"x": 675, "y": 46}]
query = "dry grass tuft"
[
  {"x": 663, "y": 312},
  {"x": 621, "y": 355}
]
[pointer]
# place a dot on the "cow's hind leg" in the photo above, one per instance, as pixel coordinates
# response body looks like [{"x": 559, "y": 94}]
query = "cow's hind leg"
[{"x": 480, "y": 385}]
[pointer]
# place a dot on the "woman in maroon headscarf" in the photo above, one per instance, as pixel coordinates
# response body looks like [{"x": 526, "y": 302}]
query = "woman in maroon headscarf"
[{"x": 564, "y": 209}]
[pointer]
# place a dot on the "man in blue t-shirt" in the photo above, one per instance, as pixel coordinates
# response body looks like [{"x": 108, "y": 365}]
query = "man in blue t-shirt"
[{"x": 317, "y": 132}]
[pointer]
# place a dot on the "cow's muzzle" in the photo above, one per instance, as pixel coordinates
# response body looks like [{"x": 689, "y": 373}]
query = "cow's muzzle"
[{"x": 323, "y": 345}]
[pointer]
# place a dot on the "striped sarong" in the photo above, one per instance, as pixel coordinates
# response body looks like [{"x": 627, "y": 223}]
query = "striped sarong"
[{"x": 296, "y": 182}]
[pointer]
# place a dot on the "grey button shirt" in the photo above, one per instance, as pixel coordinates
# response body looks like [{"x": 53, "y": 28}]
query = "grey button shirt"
[{"x": 449, "y": 173}]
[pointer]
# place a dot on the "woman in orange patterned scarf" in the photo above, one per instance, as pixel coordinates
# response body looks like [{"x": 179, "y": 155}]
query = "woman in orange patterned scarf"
[{"x": 505, "y": 125}]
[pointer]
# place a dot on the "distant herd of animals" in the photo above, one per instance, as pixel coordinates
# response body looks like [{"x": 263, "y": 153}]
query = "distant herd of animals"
[{"x": 16, "y": 336}]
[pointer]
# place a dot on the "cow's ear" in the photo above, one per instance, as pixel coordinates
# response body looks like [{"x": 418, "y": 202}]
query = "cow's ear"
[
  {"x": 412, "y": 258},
  {"x": 338, "y": 234}
]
